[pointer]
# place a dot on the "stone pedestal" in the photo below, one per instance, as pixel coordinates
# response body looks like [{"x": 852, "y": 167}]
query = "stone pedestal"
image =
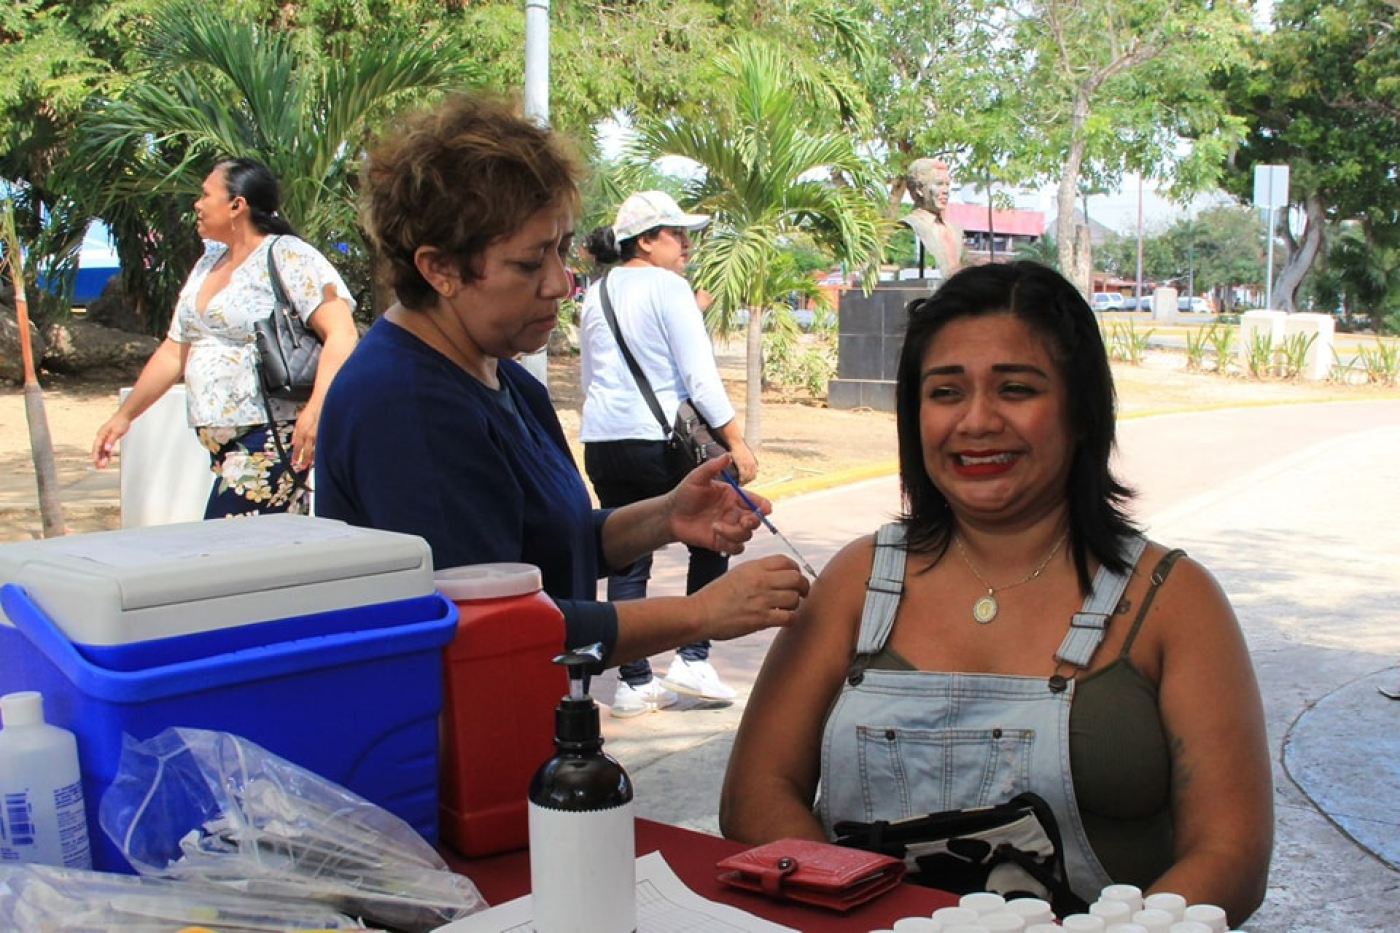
[{"x": 869, "y": 337}]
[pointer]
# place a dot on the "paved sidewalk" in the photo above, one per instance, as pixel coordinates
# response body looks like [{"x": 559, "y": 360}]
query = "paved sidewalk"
[{"x": 1295, "y": 510}]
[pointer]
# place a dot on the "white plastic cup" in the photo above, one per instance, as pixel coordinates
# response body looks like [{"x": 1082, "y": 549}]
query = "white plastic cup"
[
  {"x": 1083, "y": 923},
  {"x": 1111, "y": 912},
  {"x": 1003, "y": 922},
  {"x": 1209, "y": 914},
  {"x": 917, "y": 925},
  {"x": 952, "y": 916},
  {"x": 1044, "y": 928},
  {"x": 1129, "y": 894},
  {"x": 1154, "y": 920},
  {"x": 1173, "y": 904},
  {"x": 1190, "y": 926},
  {"x": 984, "y": 902},
  {"x": 1033, "y": 909},
  {"x": 1126, "y": 928}
]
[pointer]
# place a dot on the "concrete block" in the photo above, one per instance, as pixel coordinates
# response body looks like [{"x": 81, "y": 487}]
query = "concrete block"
[
  {"x": 1322, "y": 328},
  {"x": 1164, "y": 304}
]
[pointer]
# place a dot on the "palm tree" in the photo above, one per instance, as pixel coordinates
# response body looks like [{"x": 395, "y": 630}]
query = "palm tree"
[
  {"x": 769, "y": 165},
  {"x": 218, "y": 87},
  {"x": 1043, "y": 251}
]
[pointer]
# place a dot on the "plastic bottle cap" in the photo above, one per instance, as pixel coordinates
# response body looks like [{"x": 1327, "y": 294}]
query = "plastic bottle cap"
[
  {"x": 1154, "y": 920},
  {"x": 1169, "y": 901},
  {"x": 25, "y": 708},
  {"x": 488, "y": 581},
  {"x": 951, "y": 916},
  {"x": 1112, "y": 911},
  {"x": 984, "y": 902},
  {"x": 1033, "y": 909},
  {"x": 1209, "y": 914}
]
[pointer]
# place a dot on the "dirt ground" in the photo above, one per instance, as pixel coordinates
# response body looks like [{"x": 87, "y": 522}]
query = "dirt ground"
[{"x": 802, "y": 439}]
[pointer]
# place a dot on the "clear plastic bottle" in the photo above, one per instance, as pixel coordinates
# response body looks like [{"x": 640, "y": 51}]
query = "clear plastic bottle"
[
  {"x": 583, "y": 876},
  {"x": 42, "y": 818}
]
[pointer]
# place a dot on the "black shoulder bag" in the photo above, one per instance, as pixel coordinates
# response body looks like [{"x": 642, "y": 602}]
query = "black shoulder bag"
[
  {"x": 288, "y": 350},
  {"x": 690, "y": 438},
  {"x": 288, "y": 354}
]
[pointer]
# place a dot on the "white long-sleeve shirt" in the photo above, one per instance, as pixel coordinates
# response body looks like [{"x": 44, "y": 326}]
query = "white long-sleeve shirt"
[{"x": 665, "y": 331}]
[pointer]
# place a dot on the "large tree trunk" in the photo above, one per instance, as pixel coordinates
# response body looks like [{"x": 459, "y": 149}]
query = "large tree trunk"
[
  {"x": 1301, "y": 255},
  {"x": 753, "y": 380},
  {"x": 1076, "y": 262}
]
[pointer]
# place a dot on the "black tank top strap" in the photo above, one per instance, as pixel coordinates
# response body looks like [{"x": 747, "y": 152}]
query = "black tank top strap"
[{"x": 1159, "y": 576}]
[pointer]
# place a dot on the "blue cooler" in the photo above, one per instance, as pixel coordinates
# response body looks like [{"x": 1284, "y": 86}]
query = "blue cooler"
[{"x": 317, "y": 640}]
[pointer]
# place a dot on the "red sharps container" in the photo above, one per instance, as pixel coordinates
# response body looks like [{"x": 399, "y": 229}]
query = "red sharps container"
[{"x": 500, "y": 688}]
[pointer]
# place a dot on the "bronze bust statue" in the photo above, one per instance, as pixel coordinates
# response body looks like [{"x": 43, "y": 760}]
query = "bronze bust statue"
[{"x": 929, "y": 182}]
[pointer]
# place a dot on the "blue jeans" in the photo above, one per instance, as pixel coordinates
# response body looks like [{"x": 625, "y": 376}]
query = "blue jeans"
[{"x": 623, "y": 472}]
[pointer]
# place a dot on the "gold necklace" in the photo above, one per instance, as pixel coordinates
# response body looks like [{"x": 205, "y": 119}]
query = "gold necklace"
[{"x": 986, "y": 608}]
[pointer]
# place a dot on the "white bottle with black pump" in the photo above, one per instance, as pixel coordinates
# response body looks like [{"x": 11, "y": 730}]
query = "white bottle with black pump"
[
  {"x": 583, "y": 875},
  {"x": 42, "y": 818}
]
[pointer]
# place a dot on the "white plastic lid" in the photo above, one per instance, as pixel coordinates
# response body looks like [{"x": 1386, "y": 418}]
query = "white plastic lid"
[
  {"x": 1154, "y": 919},
  {"x": 1209, "y": 914},
  {"x": 1033, "y": 909},
  {"x": 1169, "y": 901},
  {"x": 488, "y": 581},
  {"x": 984, "y": 902},
  {"x": 25, "y": 708}
]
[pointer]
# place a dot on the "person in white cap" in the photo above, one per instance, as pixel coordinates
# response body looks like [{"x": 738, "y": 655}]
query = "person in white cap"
[{"x": 626, "y": 454}]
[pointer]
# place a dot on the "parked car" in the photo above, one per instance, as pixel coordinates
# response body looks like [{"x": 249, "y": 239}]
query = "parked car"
[
  {"x": 1189, "y": 305},
  {"x": 1108, "y": 301}
]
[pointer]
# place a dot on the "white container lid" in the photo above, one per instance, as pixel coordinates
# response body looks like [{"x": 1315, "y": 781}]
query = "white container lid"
[
  {"x": 137, "y": 584},
  {"x": 24, "y": 708},
  {"x": 488, "y": 581}
]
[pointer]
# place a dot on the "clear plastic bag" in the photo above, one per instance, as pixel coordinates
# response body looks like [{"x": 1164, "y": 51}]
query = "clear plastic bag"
[
  {"x": 212, "y": 808},
  {"x": 68, "y": 900}
]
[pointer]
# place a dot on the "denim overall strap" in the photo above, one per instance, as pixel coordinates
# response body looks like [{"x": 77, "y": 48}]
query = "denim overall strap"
[
  {"x": 1086, "y": 628},
  {"x": 884, "y": 590}
]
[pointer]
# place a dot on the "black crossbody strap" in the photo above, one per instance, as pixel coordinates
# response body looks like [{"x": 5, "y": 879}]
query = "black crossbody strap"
[
  {"x": 279, "y": 298},
  {"x": 642, "y": 382}
]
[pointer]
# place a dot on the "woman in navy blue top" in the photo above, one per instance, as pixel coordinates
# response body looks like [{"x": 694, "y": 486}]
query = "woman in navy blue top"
[{"x": 431, "y": 429}]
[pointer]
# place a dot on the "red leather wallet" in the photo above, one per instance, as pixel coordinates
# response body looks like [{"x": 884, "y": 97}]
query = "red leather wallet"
[{"x": 816, "y": 873}]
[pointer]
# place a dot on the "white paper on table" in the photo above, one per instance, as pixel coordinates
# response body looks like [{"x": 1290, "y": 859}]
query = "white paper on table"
[{"x": 664, "y": 905}]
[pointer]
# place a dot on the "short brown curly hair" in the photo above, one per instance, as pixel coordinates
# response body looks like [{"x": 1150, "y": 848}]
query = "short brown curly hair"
[{"x": 458, "y": 177}]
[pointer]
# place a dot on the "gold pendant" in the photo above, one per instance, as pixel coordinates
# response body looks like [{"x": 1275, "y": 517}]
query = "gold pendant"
[{"x": 985, "y": 609}]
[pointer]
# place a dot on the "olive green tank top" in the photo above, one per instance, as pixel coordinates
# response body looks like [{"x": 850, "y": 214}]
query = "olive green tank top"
[{"x": 1119, "y": 757}]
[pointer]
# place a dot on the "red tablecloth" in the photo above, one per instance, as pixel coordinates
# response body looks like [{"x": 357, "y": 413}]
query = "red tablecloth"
[{"x": 692, "y": 856}]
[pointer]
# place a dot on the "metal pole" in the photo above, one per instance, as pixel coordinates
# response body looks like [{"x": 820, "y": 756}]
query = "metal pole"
[
  {"x": 1269, "y": 277},
  {"x": 537, "y": 109},
  {"x": 1138, "y": 287},
  {"x": 537, "y": 60}
]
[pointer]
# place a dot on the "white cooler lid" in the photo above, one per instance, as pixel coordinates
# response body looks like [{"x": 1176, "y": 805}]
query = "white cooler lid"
[{"x": 137, "y": 584}]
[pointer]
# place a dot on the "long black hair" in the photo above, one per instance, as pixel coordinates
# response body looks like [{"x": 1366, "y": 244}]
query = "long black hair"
[
  {"x": 603, "y": 246},
  {"x": 1053, "y": 308},
  {"x": 252, "y": 181}
]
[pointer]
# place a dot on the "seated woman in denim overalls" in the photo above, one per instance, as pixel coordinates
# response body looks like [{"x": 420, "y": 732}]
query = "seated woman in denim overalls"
[{"x": 1014, "y": 632}]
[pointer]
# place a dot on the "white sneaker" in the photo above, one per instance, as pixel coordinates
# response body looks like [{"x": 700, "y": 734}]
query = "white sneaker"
[
  {"x": 631, "y": 701},
  {"x": 697, "y": 678}
]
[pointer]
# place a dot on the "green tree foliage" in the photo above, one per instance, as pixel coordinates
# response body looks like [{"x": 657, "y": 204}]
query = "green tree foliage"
[
  {"x": 1100, "y": 86},
  {"x": 53, "y": 57},
  {"x": 1326, "y": 103},
  {"x": 1361, "y": 277},
  {"x": 212, "y": 87},
  {"x": 768, "y": 166},
  {"x": 1215, "y": 251}
]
